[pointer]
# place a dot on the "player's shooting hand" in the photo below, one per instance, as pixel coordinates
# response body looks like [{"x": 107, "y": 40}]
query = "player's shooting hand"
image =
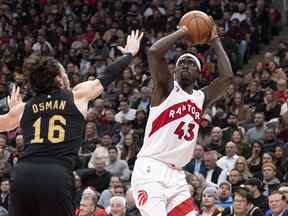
[
  {"x": 214, "y": 33},
  {"x": 133, "y": 43},
  {"x": 14, "y": 98}
]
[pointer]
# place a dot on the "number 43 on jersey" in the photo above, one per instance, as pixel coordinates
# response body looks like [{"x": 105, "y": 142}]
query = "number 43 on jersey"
[{"x": 184, "y": 131}]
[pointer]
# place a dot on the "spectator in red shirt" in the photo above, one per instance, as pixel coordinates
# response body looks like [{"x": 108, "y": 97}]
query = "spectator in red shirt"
[
  {"x": 281, "y": 94},
  {"x": 88, "y": 204}
]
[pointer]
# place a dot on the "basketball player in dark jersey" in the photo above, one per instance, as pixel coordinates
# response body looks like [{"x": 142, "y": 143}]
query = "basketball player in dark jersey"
[{"x": 42, "y": 182}]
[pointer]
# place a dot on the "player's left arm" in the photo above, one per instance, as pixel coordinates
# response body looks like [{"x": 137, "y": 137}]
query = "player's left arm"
[
  {"x": 216, "y": 89},
  {"x": 90, "y": 90},
  {"x": 11, "y": 120}
]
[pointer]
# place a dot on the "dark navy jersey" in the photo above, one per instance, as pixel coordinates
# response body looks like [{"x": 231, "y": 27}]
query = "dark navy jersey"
[{"x": 53, "y": 127}]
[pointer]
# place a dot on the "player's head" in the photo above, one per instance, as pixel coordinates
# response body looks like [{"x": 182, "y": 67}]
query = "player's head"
[
  {"x": 187, "y": 69},
  {"x": 46, "y": 74}
]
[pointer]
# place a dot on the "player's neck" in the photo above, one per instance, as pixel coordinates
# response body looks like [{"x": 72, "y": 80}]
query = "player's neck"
[{"x": 187, "y": 88}]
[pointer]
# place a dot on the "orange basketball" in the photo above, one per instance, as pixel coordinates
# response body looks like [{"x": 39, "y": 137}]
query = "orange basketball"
[{"x": 199, "y": 24}]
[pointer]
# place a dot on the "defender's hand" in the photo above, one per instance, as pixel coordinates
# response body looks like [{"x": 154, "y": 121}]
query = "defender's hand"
[
  {"x": 132, "y": 43},
  {"x": 15, "y": 98}
]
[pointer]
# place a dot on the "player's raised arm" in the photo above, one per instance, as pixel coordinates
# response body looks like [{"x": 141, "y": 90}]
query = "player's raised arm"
[
  {"x": 162, "y": 78},
  {"x": 89, "y": 90},
  {"x": 217, "y": 87},
  {"x": 11, "y": 120}
]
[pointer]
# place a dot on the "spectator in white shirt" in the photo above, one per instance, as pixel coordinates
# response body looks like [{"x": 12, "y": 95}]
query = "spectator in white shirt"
[
  {"x": 125, "y": 113},
  {"x": 228, "y": 162}
]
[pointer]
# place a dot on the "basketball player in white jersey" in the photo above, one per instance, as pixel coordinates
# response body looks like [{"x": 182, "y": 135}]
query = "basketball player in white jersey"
[{"x": 158, "y": 182}]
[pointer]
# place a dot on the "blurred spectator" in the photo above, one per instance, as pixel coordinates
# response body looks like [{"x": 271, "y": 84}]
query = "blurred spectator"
[
  {"x": 224, "y": 195},
  {"x": 5, "y": 188},
  {"x": 271, "y": 182},
  {"x": 196, "y": 165},
  {"x": 214, "y": 174},
  {"x": 117, "y": 206},
  {"x": 242, "y": 204},
  {"x": 257, "y": 132},
  {"x": 106, "y": 195},
  {"x": 242, "y": 167},
  {"x": 88, "y": 204},
  {"x": 228, "y": 161},
  {"x": 255, "y": 159},
  {"x": 256, "y": 187},
  {"x": 117, "y": 167},
  {"x": 97, "y": 177},
  {"x": 209, "y": 200},
  {"x": 277, "y": 204},
  {"x": 235, "y": 179},
  {"x": 125, "y": 112}
]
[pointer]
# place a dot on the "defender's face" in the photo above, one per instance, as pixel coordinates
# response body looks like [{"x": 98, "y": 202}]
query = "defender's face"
[
  {"x": 63, "y": 78},
  {"x": 186, "y": 71}
]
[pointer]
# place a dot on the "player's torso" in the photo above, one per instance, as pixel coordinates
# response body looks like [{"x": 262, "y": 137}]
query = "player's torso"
[
  {"x": 52, "y": 126},
  {"x": 172, "y": 127}
]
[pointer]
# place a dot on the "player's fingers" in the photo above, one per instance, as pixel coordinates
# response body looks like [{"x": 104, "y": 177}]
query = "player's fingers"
[
  {"x": 132, "y": 34},
  {"x": 17, "y": 91},
  {"x": 137, "y": 34},
  {"x": 8, "y": 99},
  {"x": 141, "y": 36},
  {"x": 13, "y": 89},
  {"x": 212, "y": 20},
  {"x": 121, "y": 49}
]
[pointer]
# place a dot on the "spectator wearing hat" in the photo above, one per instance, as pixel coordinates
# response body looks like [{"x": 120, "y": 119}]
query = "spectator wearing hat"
[
  {"x": 196, "y": 165},
  {"x": 242, "y": 205},
  {"x": 277, "y": 204},
  {"x": 209, "y": 200},
  {"x": 271, "y": 182},
  {"x": 255, "y": 186},
  {"x": 225, "y": 195}
]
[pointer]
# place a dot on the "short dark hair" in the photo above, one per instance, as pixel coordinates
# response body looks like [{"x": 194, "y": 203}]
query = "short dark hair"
[
  {"x": 244, "y": 192},
  {"x": 113, "y": 148},
  {"x": 42, "y": 74}
]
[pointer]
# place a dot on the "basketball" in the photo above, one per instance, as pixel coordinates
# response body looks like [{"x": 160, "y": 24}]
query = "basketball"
[{"x": 199, "y": 25}]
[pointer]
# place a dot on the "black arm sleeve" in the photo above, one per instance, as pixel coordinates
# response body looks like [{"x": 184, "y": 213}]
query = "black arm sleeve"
[{"x": 113, "y": 71}]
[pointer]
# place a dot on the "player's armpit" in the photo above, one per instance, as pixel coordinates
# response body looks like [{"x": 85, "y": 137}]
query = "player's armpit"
[
  {"x": 88, "y": 90},
  {"x": 11, "y": 120}
]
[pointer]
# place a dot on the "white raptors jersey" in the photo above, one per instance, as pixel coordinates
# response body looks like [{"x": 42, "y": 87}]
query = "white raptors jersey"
[{"x": 172, "y": 127}]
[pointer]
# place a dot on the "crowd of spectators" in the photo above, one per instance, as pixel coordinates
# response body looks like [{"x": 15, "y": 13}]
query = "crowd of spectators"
[{"x": 242, "y": 146}]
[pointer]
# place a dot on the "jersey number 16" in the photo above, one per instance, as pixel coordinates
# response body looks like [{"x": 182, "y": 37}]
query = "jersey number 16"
[{"x": 56, "y": 132}]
